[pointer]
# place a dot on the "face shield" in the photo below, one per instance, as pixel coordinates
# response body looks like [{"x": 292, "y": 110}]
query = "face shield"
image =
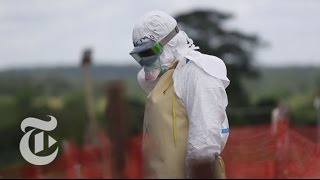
[{"x": 147, "y": 52}]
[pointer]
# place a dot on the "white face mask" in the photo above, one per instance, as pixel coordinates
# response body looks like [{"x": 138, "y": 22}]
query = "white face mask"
[
  {"x": 154, "y": 70},
  {"x": 152, "y": 74}
]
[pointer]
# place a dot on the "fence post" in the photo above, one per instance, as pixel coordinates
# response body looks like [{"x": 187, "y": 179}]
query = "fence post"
[
  {"x": 117, "y": 115},
  {"x": 316, "y": 104},
  {"x": 280, "y": 130},
  {"x": 91, "y": 136}
]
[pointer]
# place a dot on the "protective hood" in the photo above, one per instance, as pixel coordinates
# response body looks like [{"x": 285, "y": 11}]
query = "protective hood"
[{"x": 156, "y": 25}]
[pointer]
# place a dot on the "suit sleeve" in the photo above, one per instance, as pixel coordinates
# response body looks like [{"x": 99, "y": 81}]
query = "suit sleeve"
[{"x": 204, "y": 101}]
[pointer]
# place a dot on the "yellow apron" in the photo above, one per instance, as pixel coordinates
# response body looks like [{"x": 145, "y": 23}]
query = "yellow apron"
[{"x": 165, "y": 132}]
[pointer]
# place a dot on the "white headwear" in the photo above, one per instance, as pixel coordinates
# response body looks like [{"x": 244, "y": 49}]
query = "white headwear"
[{"x": 156, "y": 25}]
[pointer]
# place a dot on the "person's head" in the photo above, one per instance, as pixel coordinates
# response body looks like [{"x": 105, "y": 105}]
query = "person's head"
[{"x": 158, "y": 43}]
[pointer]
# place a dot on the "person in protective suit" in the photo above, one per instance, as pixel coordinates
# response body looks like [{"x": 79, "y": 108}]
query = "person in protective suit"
[{"x": 185, "y": 121}]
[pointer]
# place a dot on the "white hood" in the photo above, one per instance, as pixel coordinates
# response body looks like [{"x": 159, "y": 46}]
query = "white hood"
[{"x": 156, "y": 25}]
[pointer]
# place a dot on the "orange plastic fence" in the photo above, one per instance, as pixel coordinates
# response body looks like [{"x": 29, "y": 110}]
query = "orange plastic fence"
[{"x": 251, "y": 152}]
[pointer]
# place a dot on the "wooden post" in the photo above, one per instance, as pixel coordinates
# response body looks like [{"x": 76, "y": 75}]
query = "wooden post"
[
  {"x": 91, "y": 136},
  {"x": 280, "y": 130},
  {"x": 316, "y": 104},
  {"x": 117, "y": 115}
]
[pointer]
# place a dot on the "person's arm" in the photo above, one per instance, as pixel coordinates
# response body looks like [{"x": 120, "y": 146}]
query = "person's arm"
[{"x": 206, "y": 111}]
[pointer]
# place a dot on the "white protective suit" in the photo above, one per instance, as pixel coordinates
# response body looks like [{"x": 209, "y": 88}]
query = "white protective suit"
[{"x": 199, "y": 80}]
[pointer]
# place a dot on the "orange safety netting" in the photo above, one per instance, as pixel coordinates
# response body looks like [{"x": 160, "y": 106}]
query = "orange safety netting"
[
  {"x": 254, "y": 152},
  {"x": 251, "y": 152}
]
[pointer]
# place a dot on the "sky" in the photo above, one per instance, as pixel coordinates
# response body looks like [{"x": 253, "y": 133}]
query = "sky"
[{"x": 54, "y": 32}]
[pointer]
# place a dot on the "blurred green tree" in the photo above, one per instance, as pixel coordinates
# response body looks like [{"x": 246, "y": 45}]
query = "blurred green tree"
[{"x": 208, "y": 31}]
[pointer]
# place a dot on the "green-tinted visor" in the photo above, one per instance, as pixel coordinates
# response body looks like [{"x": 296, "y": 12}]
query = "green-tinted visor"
[
  {"x": 146, "y": 50},
  {"x": 151, "y": 49}
]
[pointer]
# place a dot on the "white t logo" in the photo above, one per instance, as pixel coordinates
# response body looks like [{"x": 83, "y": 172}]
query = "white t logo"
[{"x": 25, "y": 151}]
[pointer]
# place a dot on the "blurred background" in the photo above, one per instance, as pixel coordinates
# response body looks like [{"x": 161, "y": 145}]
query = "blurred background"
[{"x": 70, "y": 59}]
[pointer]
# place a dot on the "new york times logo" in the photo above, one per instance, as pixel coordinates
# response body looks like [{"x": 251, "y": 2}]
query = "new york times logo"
[{"x": 39, "y": 139}]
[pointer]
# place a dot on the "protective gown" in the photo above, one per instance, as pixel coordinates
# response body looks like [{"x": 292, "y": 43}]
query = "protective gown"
[{"x": 198, "y": 84}]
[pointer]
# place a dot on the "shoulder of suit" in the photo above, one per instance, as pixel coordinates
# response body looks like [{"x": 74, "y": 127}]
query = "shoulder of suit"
[{"x": 194, "y": 72}]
